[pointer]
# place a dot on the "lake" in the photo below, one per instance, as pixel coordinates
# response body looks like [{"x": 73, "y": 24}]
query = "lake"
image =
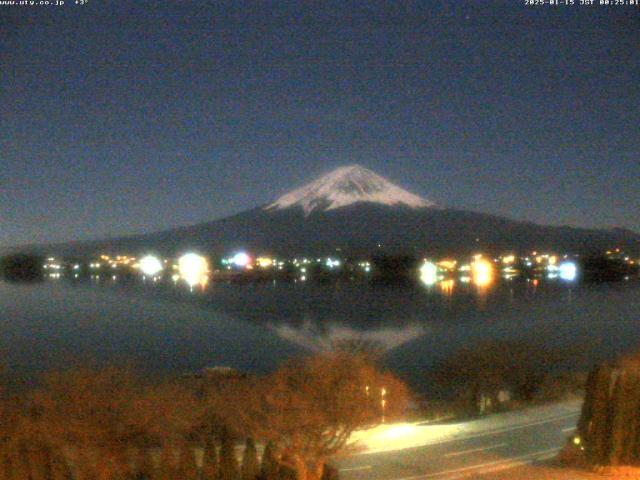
[{"x": 162, "y": 327}]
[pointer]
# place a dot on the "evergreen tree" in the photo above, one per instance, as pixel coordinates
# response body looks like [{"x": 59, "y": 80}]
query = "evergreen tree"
[
  {"x": 250, "y": 467},
  {"x": 585, "y": 423},
  {"x": 610, "y": 420},
  {"x": 285, "y": 472},
  {"x": 187, "y": 467},
  {"x": 228, "y": 462},
  {"x": 59, "y": 468},
  {"x": 616, "y": 438},
  {"x": 598, "y": 440},
  {"x": 140, "y": 464},
  {"x": 40, "y": 462},
  {"x": 632, "y": 446},
  {"x": 210, "y": 466},
  {"x": 166, "y": 463},
  {"x": 269, "y": 467},
  {"x": 625, "y": 403}
]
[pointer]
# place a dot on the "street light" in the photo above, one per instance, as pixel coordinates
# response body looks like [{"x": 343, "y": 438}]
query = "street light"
[
  {"x": 383, "y": 401},
  {"x": 192, "y": 268},
  {"x": 151, "y": 265}
]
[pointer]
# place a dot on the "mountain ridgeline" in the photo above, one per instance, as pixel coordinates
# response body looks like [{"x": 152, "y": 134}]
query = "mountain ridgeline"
[{"x": 354, "y": 211}]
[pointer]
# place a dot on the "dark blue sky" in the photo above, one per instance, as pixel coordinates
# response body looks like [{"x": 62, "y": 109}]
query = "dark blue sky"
[{"x": 124, "y": 117}]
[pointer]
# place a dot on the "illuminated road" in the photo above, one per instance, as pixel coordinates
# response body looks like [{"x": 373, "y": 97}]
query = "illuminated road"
[{"x": 477, "y": 448}]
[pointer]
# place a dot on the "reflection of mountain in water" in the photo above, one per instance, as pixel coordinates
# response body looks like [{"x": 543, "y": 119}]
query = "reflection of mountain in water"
[
  {"x": 165, "y": 328},
  {"x": 417, "y": 327},
  {"x": 323, "y": 337}
]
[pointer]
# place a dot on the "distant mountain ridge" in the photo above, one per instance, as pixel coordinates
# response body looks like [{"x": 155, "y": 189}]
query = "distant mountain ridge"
[{"x": 354, "y": 211}]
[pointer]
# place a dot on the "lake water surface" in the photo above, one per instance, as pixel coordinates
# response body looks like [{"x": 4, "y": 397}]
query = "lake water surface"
[{"x": 168, "y": 328}]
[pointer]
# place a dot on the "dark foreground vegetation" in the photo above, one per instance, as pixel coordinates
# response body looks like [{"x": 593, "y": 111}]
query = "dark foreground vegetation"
[
  {"x": 21, "y": 268},
  {"x": 494, "y": 376},
  {"x": 108, "y": 424}
]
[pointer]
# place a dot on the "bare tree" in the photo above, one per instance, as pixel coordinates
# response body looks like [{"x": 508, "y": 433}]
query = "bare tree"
[
  {"x": 106, "y": 424},
  {"x": 309, "y": 408},
  {"x": 95, "y": 424}
]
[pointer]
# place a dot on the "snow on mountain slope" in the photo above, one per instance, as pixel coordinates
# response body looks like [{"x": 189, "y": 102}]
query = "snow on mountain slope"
[{"x": 345, "y": 186}]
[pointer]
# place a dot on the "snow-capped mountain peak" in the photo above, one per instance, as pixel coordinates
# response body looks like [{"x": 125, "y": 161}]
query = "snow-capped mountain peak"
[{"x": 345, "y": 186}]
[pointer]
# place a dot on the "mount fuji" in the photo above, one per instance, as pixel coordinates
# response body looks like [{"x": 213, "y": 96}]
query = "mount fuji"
[
  {"x": 346, "y": 186},
  {"x": 355, "y": 211}
]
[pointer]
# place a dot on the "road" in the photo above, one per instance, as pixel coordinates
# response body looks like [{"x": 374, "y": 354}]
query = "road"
[{"x": 477, "y": 448}]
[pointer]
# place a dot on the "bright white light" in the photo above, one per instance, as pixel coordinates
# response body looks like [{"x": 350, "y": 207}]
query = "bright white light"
[
  {"x": 429, "y": 273},
  {"x": 568, "y": 271},
  {"x": 332, "y": 263},
  {"x": 241, "y": 259},
  {"x": 150, "y": 265},
  {"x": 193, "y": 268}
]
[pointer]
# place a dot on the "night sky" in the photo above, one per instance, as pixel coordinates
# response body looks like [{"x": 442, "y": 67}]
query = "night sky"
[{"x": 125, "y": 117}]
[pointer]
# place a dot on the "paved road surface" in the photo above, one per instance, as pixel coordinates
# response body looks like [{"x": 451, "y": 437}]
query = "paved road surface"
[{"x": 480, "y": 447}]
